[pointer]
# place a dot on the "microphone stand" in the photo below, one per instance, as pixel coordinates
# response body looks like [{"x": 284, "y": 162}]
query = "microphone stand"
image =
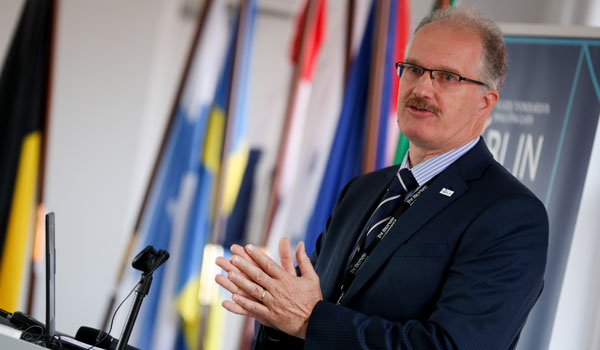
[
  {"x": 140, "y": 292},
  {"x": 148, "y": 260}
]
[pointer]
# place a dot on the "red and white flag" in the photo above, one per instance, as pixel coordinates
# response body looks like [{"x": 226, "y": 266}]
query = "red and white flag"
[{"x": 301, "y": 134}]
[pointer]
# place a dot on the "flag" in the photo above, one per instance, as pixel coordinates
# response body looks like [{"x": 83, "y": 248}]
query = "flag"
[
  {"x": 345, "y": 157},
  {"x": 174, "y": 192},
  {"x": 24, "y": 99},
  {"x": 396, "y": 143},
  {"x": 386, "y": 91},
  {"x": 236, "y": 147},
  {"x": 322, "y": 115},
  {"x": 309, "y": 36},
  {"x": 200, "y": 218},
  {"x": 377, "y": 84},
  {"x": 194, "y": 275},
  {"x": 236, "y": 232},
  {"x": 234, "y": 162}
]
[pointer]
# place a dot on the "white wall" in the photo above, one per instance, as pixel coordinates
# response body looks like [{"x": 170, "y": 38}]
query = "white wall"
[
  {"x": 9, "y": 13},
  {"x": 116, "y": 67},
  {"x": 118, "y": 64}
]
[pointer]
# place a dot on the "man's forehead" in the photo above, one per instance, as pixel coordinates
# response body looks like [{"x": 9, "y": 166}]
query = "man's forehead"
[
  {"x": 439, "y": 45},
  {"x": 446, "y": 32}
]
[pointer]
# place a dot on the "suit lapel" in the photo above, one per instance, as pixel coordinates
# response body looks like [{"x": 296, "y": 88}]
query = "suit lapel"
[
  {"x": 353, "y": 222},
  {"x": 427, "y": 206}
]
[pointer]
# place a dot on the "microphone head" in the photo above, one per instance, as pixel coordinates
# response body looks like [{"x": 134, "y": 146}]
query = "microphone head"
[
  {"x": 94, "y": 337},
  {"x": 149, "y": 259},
  {"x": 99, "y": 339}
]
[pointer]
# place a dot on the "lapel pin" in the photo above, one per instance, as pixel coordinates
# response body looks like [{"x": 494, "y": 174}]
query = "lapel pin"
[{"x": 446, "y": 192}]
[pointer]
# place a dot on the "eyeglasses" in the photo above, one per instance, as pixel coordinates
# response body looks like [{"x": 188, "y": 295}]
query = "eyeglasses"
[{"x": 445, "y": 79}]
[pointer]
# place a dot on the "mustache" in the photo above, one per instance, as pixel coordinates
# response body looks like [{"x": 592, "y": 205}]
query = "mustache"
[{"x": 420, "y": 103}]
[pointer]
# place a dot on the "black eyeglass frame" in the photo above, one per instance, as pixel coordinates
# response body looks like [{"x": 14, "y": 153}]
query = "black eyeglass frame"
[{"x": 401, "y": 65}]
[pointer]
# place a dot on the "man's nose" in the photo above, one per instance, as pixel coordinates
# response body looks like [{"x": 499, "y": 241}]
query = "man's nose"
[{"x": 424, "y": 85}]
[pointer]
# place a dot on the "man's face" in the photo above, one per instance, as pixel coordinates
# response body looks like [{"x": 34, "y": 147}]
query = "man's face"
[{"x": 437, "y": 119}]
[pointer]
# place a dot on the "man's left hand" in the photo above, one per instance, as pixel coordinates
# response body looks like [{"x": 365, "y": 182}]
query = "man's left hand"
[{"x": 279, "y": 296}]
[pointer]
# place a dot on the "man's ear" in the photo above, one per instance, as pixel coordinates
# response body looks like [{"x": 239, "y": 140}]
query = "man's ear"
[{"x": 488, "y": 101}]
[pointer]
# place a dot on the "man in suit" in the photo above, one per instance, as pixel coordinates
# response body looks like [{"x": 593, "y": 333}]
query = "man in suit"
[{"x": 455, "y": 263}]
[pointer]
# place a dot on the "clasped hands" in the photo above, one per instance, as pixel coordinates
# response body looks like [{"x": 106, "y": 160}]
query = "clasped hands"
[{"x": 272, "y": 294}]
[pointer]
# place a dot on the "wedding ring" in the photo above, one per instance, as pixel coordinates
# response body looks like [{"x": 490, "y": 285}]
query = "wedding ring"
[{"x": 262, "y": 296}]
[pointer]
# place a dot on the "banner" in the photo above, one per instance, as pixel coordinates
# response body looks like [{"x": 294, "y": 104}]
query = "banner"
[{"x": 542, "y": 131}]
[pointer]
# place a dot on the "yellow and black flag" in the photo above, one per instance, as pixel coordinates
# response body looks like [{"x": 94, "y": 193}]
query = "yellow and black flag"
[{"x": 24, "y": 96}]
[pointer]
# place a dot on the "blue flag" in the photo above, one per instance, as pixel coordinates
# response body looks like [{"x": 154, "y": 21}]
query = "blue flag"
[
  {"x": 199, "y": 224},
  {"x": 166, "y": 222}
]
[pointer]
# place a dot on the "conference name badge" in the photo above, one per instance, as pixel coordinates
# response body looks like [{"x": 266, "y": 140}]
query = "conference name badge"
[{"x": 446, "y": 192}]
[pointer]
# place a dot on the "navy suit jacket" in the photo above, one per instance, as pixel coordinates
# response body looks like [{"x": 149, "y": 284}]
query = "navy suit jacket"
[{"x": 455, "y": 272}]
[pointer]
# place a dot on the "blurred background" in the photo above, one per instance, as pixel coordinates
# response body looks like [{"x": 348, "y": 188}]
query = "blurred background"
[{"x": 194, "y": 124}]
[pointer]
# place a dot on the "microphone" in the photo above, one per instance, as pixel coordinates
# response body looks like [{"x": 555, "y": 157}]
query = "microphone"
[
  {"x": 22, "y": 321},
  {"x": 149, "y": 259},
  {"x": 98, "y": 338}
]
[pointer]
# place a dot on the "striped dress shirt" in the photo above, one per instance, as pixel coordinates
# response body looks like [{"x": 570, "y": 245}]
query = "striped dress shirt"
[{"x": 429, "y": 168}]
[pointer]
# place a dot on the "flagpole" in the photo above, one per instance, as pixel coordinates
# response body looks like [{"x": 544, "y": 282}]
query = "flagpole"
[
  {"x": 440, "y": 4},
  {"x": 376, "y": 75},
  {"x": 132, "y": 238},
  {"x": 273, "y": 203},
  {"x": 350, "y": 17},
  {"x": 37, "y": 255}
]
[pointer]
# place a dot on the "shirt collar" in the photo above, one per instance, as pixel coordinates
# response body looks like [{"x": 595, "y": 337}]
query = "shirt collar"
[{"x": 426, "y": 170}]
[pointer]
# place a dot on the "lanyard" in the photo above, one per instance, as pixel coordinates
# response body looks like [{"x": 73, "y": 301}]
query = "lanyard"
[{"x": 361, "y": 253}]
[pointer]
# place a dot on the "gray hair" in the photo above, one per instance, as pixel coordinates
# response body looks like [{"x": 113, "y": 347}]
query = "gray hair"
[{"x": 493, "y": 66}]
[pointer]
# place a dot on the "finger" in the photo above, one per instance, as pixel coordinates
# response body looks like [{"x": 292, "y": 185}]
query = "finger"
[
  {"x": 237, "y": 309},
  {"x": 249, "y": 287},
  {"x": 224, "y": 282},
  {"x": 228, "y": 267},
  {"x": 240, "y": 251},
  {"x": 306, "y": 267},
  {"x": 263, "y": 261},
  {"x": 286, "y": 257},
  {"x": 225, "y": 264},
  {"x": 260, "y": 311},
  {"x": 252, "y": 272}
]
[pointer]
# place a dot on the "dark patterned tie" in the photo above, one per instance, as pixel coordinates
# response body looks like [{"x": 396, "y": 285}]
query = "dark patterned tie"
[{"x": 403, "y": 183}]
